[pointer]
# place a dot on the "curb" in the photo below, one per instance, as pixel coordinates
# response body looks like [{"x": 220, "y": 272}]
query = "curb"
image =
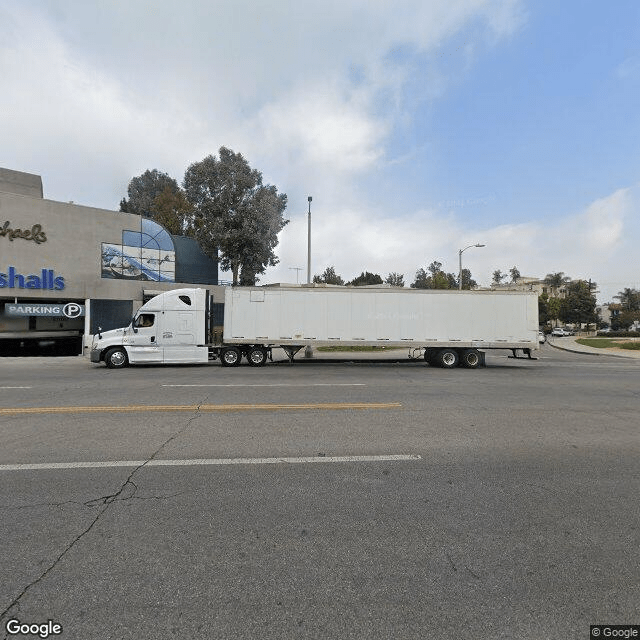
[{"x": 591, "y": 353}]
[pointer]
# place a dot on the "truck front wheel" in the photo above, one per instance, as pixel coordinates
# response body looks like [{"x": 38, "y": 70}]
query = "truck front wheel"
[
  {"x": 116, "y": 358},
  {"x": 257, "y": 356},
  {"x": 448, "y": 358},
  {"x": 230, "y": 357}
]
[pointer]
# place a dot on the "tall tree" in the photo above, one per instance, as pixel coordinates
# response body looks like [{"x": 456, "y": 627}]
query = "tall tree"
[
  {"x": 467, "y": 281},
  {"x": 395, "y": 279},
  {"x": 515, "y": 274},
  {"x": 555, "y": 281},
  {"x": 174, "y": 212},
  {"x": 629, "y": 299},
  {"x": 328, "y": 276},
  {"x": 366, "y": 278},
  {"x": 143, "y": 191},
  {"x": 235, "y": 213},
  {"x": 579, "y": 304}
]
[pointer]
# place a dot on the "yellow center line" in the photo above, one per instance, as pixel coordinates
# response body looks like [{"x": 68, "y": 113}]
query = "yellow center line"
[{"x": 208, "y": 408}]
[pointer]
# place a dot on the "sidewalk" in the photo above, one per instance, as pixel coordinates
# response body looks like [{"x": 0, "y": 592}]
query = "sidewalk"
[{"x": 569, "y": 344}]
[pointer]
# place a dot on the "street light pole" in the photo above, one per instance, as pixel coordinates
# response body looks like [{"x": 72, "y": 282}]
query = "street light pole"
[
  {"x": 309, "y": 243},
  {"x": 460, "y": 263},
  {"x": 308, "y": 351}
]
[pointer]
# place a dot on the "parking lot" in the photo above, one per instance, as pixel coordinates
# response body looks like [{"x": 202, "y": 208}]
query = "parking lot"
[{"x": 362, "y": 499}]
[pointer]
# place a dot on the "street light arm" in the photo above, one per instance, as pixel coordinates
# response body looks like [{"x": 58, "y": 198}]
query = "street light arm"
[{"x": 460, "y": 262}]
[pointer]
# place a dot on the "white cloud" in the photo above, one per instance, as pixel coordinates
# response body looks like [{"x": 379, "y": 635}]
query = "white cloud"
[
  {"x": 320, "y": 127},
  {"x": 602, "y": 224}
]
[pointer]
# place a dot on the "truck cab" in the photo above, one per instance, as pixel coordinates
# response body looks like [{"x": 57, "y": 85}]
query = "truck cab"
[{"x": 170, "y": 328}]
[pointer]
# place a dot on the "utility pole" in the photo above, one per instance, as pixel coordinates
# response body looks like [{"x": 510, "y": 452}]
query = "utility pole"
[
  {"x": 309, "y": 243},
  {"x": 308, "y": 351}
]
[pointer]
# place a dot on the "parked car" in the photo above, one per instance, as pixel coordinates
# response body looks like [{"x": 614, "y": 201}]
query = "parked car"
[
  {"x": 560, "y": 332},
  {"x": 541, "y": 337}
]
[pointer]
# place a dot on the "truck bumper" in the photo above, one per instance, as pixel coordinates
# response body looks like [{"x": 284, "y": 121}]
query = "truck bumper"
[{"x": 95, "y": 355}]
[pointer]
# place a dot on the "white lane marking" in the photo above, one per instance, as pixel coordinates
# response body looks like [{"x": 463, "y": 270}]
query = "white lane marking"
[
  {"x": 205, "y": 462},
  {"x": 311, "y": 384},
  {"x": 16, "y": 387}
]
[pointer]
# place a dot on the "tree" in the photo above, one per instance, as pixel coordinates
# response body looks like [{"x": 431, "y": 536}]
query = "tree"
[
  {"x": 629, "y": 299},
  {"x": 467, "y": 281},
  {"x": 579, "y": 304},
  {"x": 543, "y": 308},
  {"x": 235, "y": 213},
  {"x": 422, "y": 280},
  {"x": 555, "y": 281},
  {"x": 515, "y": 274},
  {"x": 143, "y": 191},
  {"x": 366, "y": 278},
  {"x": 553, "y": 309},
  {"x": 436, "y": 278},
  {"x": 328, "y": 276},
  {"x": 395, "y": 279},
  {"x": 174, "y": 212},
  {"x": 627, "y": 318},
  {"x": 498, "y": 277}
]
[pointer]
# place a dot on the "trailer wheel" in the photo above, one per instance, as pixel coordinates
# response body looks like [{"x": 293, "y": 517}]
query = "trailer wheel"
[
  {"x": 448, "y": 358},
  {"x": 230, "y": 357},
  {"x": 257, "y": 356},
  {"x": 470, "y": 358},
  {"x": 116, "y": 358},
  {"x": 430, "y": 356}
]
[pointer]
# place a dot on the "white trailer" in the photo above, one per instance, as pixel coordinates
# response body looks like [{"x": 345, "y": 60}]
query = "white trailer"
[{"x": 448, "y": 327}]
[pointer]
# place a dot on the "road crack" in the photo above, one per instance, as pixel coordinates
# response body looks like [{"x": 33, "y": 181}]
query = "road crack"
[{"x": 104, "y": 502}]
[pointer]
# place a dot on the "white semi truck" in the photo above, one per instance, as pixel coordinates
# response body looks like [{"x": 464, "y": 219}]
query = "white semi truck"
[{"x": 449, "y": 328}]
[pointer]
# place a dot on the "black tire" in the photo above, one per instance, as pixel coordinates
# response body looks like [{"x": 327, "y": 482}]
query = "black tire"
[
  {"x": 470, "y": 358},
  {"x": 116, "y": 358},
  {"x": 448, "y": 358},
  {"x": 257, "y": 356},
  {"x": 230, "y": 357},
  {"x": 430, "y": 356}
]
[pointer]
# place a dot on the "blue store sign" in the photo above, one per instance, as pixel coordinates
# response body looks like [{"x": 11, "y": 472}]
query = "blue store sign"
[{"x": 46, "y": 279}]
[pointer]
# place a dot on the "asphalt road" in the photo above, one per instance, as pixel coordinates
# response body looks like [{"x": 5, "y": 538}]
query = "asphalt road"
[{"x": 510, "y": 509}]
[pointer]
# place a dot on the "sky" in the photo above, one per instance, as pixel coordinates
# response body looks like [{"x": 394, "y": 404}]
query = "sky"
[{"x": 419, "y": 127}]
